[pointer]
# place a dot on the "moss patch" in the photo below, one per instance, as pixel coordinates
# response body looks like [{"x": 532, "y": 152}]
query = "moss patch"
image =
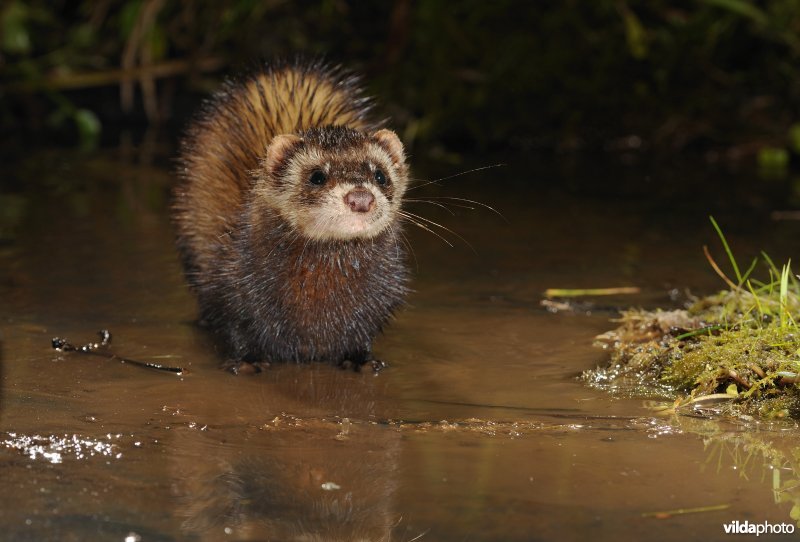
[
  {"x": 721, "y": 348},
  {"x": 737, "y": 351}
]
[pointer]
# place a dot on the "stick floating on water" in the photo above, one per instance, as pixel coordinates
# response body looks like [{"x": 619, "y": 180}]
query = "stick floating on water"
[
  {"x": 578, "y": 292},
  {"x": 62, "y": 345},
  {"x": 666, "y": 514}
]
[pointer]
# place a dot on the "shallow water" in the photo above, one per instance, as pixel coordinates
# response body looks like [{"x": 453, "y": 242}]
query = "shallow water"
[{"x": 480, "y": 428}]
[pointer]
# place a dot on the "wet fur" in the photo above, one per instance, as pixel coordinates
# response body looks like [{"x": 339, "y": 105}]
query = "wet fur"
[{"x": 270, "y": 290}]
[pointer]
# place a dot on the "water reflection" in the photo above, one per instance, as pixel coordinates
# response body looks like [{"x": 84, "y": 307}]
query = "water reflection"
[
  {"x": 298, "y": 487},
  {"x": 760, "y": 453}
]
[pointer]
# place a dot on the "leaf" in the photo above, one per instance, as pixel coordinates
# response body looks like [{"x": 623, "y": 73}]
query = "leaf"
[
  {"x": 773, "y": 158},
  {"x": 794, "y": 137},
  {"x": 741, "y": 7},
  {"x": 635, "y": 33},
  {"x": 88, "y": 127},
  {"x": 15, "y": 36},
  {"x": 128, "y": 16}
]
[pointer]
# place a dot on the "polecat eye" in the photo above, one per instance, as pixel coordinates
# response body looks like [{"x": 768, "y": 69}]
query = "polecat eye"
[
  {"x": 380, "y": 178},
  {"x": 318, "y": 178}
]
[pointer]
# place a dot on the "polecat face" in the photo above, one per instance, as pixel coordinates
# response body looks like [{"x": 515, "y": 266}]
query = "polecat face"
[{"x": 335, "y": 183}]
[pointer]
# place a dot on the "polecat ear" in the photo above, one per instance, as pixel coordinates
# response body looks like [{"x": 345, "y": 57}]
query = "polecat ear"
[
  {"x": 278, "y": 149},
  {"x": 389, "y": 141}
]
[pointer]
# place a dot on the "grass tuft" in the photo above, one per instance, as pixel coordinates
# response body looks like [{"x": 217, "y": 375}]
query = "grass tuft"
[{"x": 738, "y": 350}]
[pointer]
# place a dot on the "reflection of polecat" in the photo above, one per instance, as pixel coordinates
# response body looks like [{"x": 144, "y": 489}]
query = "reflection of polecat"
[{"x": 288, "y": 216}]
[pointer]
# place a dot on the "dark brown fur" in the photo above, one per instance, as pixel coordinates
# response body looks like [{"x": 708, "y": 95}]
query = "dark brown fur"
[{"x": 272, "y": 292}]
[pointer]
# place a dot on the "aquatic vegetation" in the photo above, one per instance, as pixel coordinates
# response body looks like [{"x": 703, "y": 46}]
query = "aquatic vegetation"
[{"x": 736, "y": 352}]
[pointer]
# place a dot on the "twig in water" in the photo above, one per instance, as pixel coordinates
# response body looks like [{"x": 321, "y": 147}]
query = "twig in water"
[
  {"x": 666, "y": 514},
  {"x": 573, "y": 292},
  {"x": 62, "y": 345}
]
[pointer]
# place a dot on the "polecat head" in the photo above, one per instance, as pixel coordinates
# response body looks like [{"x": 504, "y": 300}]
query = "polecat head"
[{"x": 335, "y": 183}]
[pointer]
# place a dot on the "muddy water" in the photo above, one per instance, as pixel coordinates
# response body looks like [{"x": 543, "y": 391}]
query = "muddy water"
[{"x": 479, "y": 430}]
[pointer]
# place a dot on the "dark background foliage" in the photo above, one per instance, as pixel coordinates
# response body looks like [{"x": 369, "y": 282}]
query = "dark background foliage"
[{"x": 716, "y": 76}]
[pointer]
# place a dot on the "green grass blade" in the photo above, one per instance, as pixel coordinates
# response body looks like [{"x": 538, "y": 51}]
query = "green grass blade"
[
  {"x": 758, "y": 302},
  {"x": 727, "y": 250},
  {"x": 771, "y": 264},
  {"x": 784, "y": 296},
  {"x": 749, "y": 270},
  {"x": 702, "y": 331}
]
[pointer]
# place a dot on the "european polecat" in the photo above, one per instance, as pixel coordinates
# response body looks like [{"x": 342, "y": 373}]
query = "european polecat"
[{"x": 288, "y": 216}]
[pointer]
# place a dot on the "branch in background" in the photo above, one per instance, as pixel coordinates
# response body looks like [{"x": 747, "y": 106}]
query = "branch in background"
[
  {"x": 137, "y": 46},
  {"x": 113, "y": 77}
]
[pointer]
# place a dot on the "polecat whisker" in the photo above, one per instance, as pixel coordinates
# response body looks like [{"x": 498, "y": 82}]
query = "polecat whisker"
[
  {"x": 443, "y": 206},
  {"x": 445, "y": 228},
  {"x": 431, "y": 222},
  {"x": 426, "y": 183},
  {"x": 467, "y": 200},
  {"x": 424, "y": 227}
]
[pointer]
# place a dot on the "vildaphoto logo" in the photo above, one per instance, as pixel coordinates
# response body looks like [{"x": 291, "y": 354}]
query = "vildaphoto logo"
[{"x": 746, "y": 527}]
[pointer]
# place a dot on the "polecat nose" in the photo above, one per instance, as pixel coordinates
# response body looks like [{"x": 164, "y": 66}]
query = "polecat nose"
[{"x": 359, "y": 200}]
